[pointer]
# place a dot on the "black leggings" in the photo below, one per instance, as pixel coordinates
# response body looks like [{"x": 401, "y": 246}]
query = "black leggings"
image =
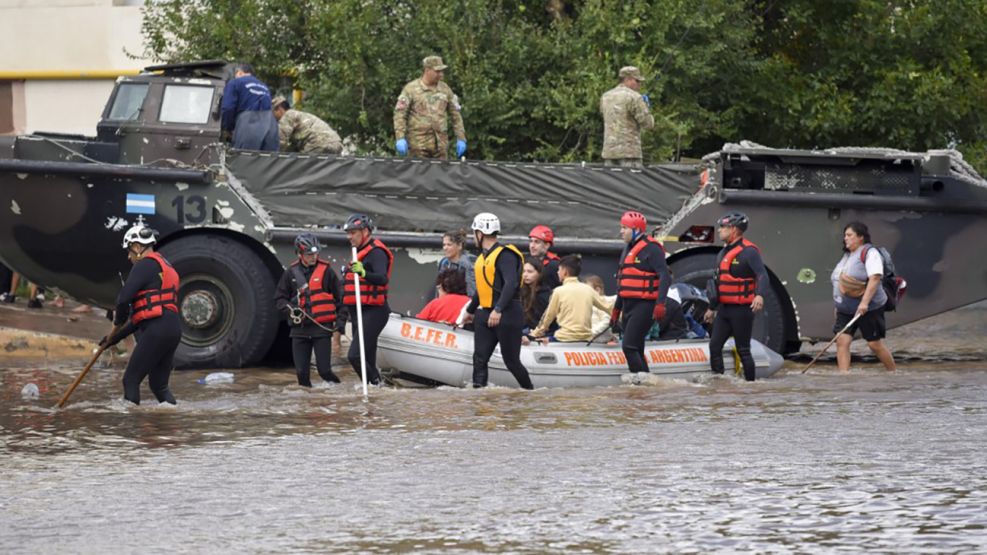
[
  {"x": 736, "y": 320},
  {"x": 508, "y": 334},
  {"x": 637, "y": 317},
  {"x": 153, "y": 357},
  {"x": 301, "y": 352},
  {"x": 374, "y": 320}
]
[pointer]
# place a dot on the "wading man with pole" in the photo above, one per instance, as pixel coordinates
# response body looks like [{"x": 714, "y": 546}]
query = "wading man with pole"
[
  {"x": 149, "y": 299},
  {"x": 366, "y": 298}
]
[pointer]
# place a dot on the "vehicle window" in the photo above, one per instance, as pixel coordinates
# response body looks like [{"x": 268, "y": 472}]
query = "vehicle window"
[
  {"x": 185, "y": 104},
  {"x": 128, "y": 102}
]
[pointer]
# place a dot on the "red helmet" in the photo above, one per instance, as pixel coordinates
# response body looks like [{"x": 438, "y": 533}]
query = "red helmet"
[
  {"x": 634, "y": 220},
  {"x": 543, "y": 232}
]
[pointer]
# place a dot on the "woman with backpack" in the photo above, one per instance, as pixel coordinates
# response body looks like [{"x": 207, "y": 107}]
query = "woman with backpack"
[{"x": 857, "y": 292}]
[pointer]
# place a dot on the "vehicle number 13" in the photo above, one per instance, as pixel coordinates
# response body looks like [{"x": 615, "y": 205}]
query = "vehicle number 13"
[{"x": 190, "y": 209}]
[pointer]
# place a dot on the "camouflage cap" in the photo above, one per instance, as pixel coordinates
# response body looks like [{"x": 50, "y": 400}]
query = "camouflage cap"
[
  {"x": 277, "y": 100},
  {"x": 632, "y": 72},
  {"x": 433, "y": 62}
]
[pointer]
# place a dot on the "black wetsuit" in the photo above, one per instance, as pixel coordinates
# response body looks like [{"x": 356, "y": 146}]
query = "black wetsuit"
[
  {"x": 157, "y": 338},
  {"x": 507, "y": 333},
  {"x": 737, "y": 320},
  {"x": 637, "y": 315},
  {"x": 309, "y": 335},
  {"x": 375, "y": 317}
]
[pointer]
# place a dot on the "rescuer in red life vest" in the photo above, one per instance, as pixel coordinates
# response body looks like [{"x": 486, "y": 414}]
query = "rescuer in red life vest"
[
  {"x": 149, "y": 299},
  {"x": 373, "y": 265},
  {"x": 310, "y": 296},
  {"x": 540, "y": 240},
  {"x": 739, "y": 287},
  {"x": 642, "y": 286}
]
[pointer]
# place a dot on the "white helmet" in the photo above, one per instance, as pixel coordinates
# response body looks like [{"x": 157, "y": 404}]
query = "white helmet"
[
  {"x": 139, "y": 234},
  {"x": 486, "y": 223}
]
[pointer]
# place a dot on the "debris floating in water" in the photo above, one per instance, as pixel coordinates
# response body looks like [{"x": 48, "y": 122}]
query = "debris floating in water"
[
  {"x": 217, "y": 377},
  {"x": 30, "y": 391}
]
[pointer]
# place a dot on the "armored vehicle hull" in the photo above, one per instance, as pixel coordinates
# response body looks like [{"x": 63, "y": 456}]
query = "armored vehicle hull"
[{"x": 227, "y": 218}]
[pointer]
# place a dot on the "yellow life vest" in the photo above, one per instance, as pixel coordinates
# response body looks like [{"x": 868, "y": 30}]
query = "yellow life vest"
[{"x": 485, "y": 270}]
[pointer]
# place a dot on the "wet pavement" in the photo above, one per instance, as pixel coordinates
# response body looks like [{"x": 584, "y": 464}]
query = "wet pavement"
[{"x": 819, "y": 462}]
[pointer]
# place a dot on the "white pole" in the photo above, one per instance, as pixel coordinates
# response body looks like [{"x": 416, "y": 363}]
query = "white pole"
[{"x": 359, "y": 327}]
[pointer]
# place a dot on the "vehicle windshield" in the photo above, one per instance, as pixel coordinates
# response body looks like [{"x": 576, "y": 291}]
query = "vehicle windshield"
[
  {"x": 185, "y": 104},
  {"x": 128, "y": 101}
]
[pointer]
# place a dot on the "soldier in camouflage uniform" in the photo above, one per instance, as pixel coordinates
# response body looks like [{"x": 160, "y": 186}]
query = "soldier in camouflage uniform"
[
  {"x": 303, "y": 132},
  {"x": 625, "y": 112},
  {"x": 422, "y": 112}
]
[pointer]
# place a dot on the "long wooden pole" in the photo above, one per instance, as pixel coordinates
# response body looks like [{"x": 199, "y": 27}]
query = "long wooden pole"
[
  {"x": 831, "y": 341},
  {"x": 78, "y": 380}
]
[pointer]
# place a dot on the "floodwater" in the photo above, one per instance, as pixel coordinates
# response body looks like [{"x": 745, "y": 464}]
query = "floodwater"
[{"x": 820, "y": 462}]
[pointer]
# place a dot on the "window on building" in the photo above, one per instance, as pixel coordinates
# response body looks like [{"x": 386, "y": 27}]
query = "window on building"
[
  {"x": 128, "y": 102},
  {"x": 186, "y": 104}
]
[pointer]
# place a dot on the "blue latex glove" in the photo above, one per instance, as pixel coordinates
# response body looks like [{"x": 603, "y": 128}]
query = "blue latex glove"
[
  {"x": 460, "y": 148},
  {"x": 646, "y": 100},
  {"x": 402, "y": 147}
]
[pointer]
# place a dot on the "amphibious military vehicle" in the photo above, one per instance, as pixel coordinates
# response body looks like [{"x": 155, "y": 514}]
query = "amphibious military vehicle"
[{"x": 227, "y": 217}]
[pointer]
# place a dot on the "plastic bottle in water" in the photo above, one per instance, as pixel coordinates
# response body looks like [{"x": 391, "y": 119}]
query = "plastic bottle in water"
[
  {"x": 217, "y": 377},
  {"x": 30, "y": 391}
]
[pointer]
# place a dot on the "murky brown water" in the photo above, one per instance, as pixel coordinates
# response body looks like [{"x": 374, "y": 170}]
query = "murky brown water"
[{"x": 820, "y": 462}]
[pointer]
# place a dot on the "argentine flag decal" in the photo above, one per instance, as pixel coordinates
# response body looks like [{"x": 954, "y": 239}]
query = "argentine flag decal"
[{"x": 140, "y": 204}]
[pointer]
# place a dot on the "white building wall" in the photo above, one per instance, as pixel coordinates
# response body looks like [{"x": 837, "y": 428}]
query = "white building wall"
[{"x": 57, "y": 36}]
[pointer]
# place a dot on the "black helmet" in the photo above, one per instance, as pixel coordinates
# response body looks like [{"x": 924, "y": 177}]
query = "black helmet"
[
  {"x": 307, "y": 243},
  {"x": 358, "y": 221},
  {"x": 736, "y": 219}
]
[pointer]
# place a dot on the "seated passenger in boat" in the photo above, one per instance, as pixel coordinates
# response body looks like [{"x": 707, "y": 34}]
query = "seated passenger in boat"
[
  {"x": 673, "y": 325},
  {"x": 534, "y": 295},
  {"x": 601, "y": 318},
  {"x": 571, "y": 305},
  {"x": 451, "y": 287}
]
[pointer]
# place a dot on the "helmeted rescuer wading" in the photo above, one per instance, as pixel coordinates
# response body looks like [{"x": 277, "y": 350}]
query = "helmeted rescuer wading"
[
  {"x": 149, "y": 299},
  {"x": 310, "y": 296},
  {"x": 496, "y": 305},
  {"x": 642, "y": 287},
  {"x": 373, "y": 265},
  {"x": 422, "y": 114},
  {"x": 737, "y": 293}
]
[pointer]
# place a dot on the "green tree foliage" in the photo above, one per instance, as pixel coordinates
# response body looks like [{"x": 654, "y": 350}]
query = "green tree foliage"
[{"x": 798, "y": 73}]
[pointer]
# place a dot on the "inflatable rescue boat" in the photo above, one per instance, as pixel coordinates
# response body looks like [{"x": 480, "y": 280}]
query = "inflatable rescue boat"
[{"x": 430, "y": 352}]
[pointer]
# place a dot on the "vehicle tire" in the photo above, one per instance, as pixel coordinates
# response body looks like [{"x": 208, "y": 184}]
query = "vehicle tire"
[
  {"x": 226, "y": 296},
  {"x": 769, "y": 324}
]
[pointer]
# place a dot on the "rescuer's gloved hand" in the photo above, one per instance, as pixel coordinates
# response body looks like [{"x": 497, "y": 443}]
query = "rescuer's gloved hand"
[
  {"x": 646, "y": 100},
  {"x": 659, "y": 312},
  {"x": 357, "y": 268},
  {"x": 460, "y": 148},
  {"x": 402, "y": 147}
]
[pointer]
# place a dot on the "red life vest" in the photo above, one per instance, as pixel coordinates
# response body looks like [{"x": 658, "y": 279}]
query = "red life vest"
[
  {"x": 151, "y": 303},
  {"x": 732, "y": 289},
  {"x": 634, "y": 279},
  {"x": 317, "y": 300},
  {"x": 372, "y": 295},
  {"x": 549, "y": 257}
]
